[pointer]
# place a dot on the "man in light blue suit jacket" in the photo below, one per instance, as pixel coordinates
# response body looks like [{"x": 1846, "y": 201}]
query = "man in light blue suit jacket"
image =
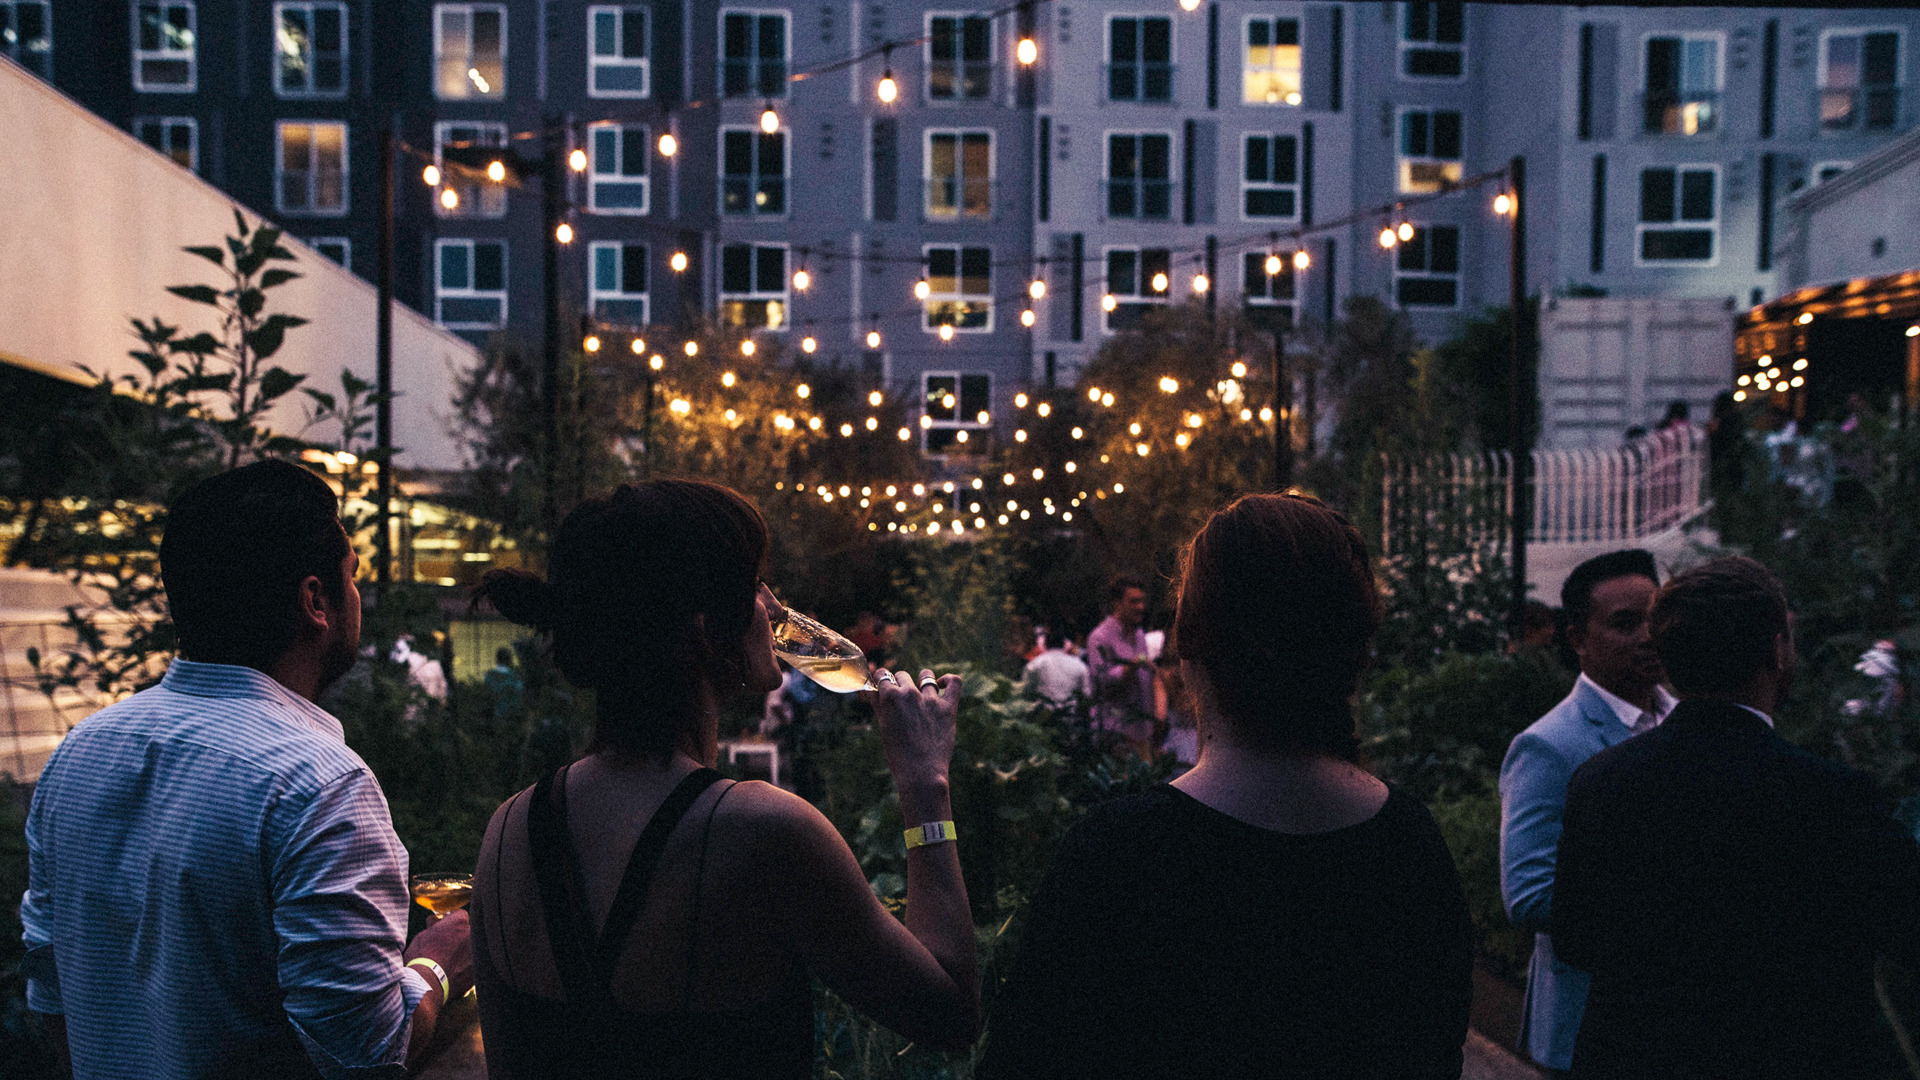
[{"x": 1604, "y": 602}]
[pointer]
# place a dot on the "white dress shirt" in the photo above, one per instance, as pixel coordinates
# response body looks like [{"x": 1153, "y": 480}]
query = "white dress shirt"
[{"x": 1629, "y": 713}]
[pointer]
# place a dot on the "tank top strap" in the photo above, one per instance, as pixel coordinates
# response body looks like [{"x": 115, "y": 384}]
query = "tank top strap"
[
  {"x": 562, "y": 891},
  {"x": 631, "y": 898}
]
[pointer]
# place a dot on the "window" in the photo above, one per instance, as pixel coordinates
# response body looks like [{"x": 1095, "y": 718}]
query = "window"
[
  {"x": 470, "y": 51},
  {"x": 1859, "y": 80},
  {"x": 1139, "y": 176},
  {"x": 753, "y": 54},
  {"x": 337, "y": 248},
  {"x": 962, "y": 282},
  {"x": 959, "y": 57},
  {"x": 1683, "y": 85},
  {"x": 1139, "y": 59},
  {"x": 617, "y": 65},
  {"x": 753, "y": 167},
  {"x": 753, "y": 286},
  {"x": 1138, "y": 279},
  {"x": 178, "y": 137},
  {"x": 1679, "y": 215},
  {"x": 959, "y": 174},
  {"x": 479, "y": 197},
  {"x": 960, "y": 407},
  {"x": 619, "y": 291},
  {"x": 1427, "y": 268},
  {"x": 617, "y": 173},
  {"x": 1826, "y": 170},
  {"x": 1429, "y": 149},
  {"x": 163, "y": 47},
  {"x": 1433, "y": 40},
  {"x": 1272, "y": 185},
  {"x": 1261, "y": 289},
  {"x": 473, "y": 284},
  {"x": 1272, "y": 69},
  {"x": 312, "y": 167},
  {"x": 310, "y": 48},
  {"x": 26, "y": 34}
]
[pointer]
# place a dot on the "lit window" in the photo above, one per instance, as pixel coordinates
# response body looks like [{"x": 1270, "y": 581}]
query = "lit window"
[
  {"x": 753, "y": 286},
  {"x": 1140, "y": 176},
  {"x": 619, "y": 284},
  {"x": 1859, "y": 80},
  {"x": 617, "y": 169},
  {"x": 1427, "y": 268},
  {"x": 961, "y": 280},
  {"x": 311, "y": 168},
  {"x": 26, "y": 34},
  {"x": 753, "y": 171},
  {"x": 1272, "y": 177},
  {"x": 1429, "y": 149},
  {"x": 472, "y": 277},
  {"x": 1140, "y": 280},
  {"x": 959, "y": 174},
  {"x": 310, "y": 48},
  {"x": 1272, "y": 69},
  {"x": 1679, "y": 215},
  {"x": 953, "y": 403},
  {"x": 178, "y": 137},
  {"x": 479, "y": 197},
  {"x": 1433, "y": 39},
  {"x": 753, "y": 54},
  {"x": 1140, "y": 59},
  {"x": 337, "y": 248},
  {"x": 959, "y": 57},
  {"x": 1682, "y": 95},
  {"x": 164, "y": 53},
  {"x": 470, "y": 51},
  {"x": 617, "y": 62}
]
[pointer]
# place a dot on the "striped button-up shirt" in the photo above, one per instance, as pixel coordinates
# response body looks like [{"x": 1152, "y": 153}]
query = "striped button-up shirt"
[{"x": 214, "y": 885}]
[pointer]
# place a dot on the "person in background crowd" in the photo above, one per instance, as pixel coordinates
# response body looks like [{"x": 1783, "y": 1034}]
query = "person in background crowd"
[
  {"x": 1058, "y": 676},
  {"x": 1277, "y": 911},
  {"x": 1182, "y": 738},
  {"x": 1727, "y": 890},
  {"x": 213, "y": 868},
  {"x": 423, "y": 671},
  {"x": 504, "y": 683},
  {"x": 1617, "y": 695},
  {"x": 1677, "y": 415},
  {"x": 1122, "y": 667}
]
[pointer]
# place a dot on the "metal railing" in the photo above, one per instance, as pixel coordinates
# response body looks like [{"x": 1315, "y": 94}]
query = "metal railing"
[
  {"x": 1692, "y": 112},
  {"x": 1150, "y": 82},
  {"x": 951, "y": 198},
  {"x": 1150, "y": 200},
  {"x": 1860, "y": 108}
]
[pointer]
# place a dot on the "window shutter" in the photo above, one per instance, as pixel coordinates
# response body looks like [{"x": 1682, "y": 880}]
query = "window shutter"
[
  {"x": 886, "y": 169},
  {"x": 1316, "y": 58},
  {"x": 1606, "y": 79},
  {"x": 1206, "y": 139}
]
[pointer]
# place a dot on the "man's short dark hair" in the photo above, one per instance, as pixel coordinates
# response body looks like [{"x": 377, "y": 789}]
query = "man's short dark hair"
[
  {"x": 1714, "y": 626},
  {"x": 1118, "y": 587},
  {"x": 1576, "y": 596},
  {"x": 237, "y": 547}
]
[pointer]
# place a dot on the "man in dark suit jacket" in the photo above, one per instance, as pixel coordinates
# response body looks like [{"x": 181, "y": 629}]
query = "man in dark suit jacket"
[{"x": 1728, "y": 891}]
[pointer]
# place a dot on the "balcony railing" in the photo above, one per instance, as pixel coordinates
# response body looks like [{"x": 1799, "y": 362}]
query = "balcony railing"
[
  {"x": 1665, "y": 112},
  {"x": 1148, "y": 200},
  {"x": 959, "y": 80},
  {"x": 1859, "y": 108},
  {"x": 954, "y": 198},
  {"x": 750, "y": 195},
  {"x": 1141, "y": 81}
]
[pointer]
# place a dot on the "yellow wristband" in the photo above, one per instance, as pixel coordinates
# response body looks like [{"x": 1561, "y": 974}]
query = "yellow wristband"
[
  {"x": 438, "y": 972},
  {"x": 933, "y": 832}
]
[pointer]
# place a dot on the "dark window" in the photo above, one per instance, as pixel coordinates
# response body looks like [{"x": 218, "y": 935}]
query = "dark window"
[
  {"x": 753, "y": 55},
  {"x": 1139, "y": 176},
  {"x": 1272, "y": 176},
  {"x": 26, "y": 34},
  {"x": 1140, "y": 59},
  {"x": 1432, "y": 39},
  {"x": 1678, "y": 215},
  {"x": 753, "y": 172},
  {"x": 1429, "y": 267},
  {"x": 959, "y": 57}
]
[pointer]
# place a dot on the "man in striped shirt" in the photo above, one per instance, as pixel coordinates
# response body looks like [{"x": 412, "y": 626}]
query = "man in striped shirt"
[{"x": 214, "y": 885}]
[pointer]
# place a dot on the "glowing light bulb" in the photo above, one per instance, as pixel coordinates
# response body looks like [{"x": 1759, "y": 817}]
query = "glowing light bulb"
[
  {"x": 431, "y": 174},
  {"x": 1037, "y": 290},
  {"x": 1190, "y": 5},
  {"x": 873, "y": 339},
  {"x": 888, "y": 89},
  {"x": 592, "y": 344},
  {"x": 563, "y": 233},
  {"x": 1201, "y": 283},
  {"x": 808, "y": 344},
  {"x": 1020, "y": 435},
  {"x": 1133, "y": 429},
  {"x": 449, "y": 198},
  {"x": 769, "y": 121},
  {"x": 1273, "y": 265},
  {"x": 960, "y": 436},
  {"x": 1106, "y": 401},
  {"x": 678, "y": 262},
  {"x": 1169, "y": 384},
  {"x": 1302, "y": 260},
  {"x": 875, "y": 397},
  {"x": 1239, "y": 369},
  {"x": 1093, "y": 393},
  {"x": 1026, "y": 52},
  {"x": 1039, "y": 474},
  {"x": 1070, "y": 466},
  {"x": 802, "y": 279},
  {"x": 1159, "y": 283},
  {"x": 731, "y": 416},
  {"x": 873, "y": 423},
  {"x": 638, "y": 346},
  {"x": 496, "y": 171},
  {"x": 747, "y": 348},
  {"x": 1502, "y": 203},
  {"x": 1108, "y": 302},
  {"x": 925, "y": 422},
  {"x": 669, "y": 146},
  {"x": 1142, "y": 449},
  {"x": 983, "y": 417},
  {"x": 656, "y": 362},
  {"x": 692, "y": 348},
  {"x": 904, "y": 436},
  {"x": 1045, "y": 410},
  {"x": 1027, "y": 317},
  {"x": 1079, "y": 433},
  {"x": 1266, "y": 414},
  {"x": 728, "y": 378},
  {"x": 846, "y": 431},
  {"x": 922, "y": 290},
  {"x": 813, "y": 423},
  {"x": 803, "y": 391},
  {"x": 1405, "y": 231},
  {"x": 1387, "y": 239},
  {"x": 1020, "y": 401},
  {"x": 946, "y": 331},
  {"x": 577, "y": 161}
]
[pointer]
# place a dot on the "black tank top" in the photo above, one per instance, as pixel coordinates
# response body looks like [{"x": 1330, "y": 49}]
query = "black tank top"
[{"x": 585, "y": 1033}]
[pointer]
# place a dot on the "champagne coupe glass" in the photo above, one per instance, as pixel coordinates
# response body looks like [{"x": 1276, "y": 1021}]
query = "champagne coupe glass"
[
  {"x": 818, "y": 653},
  {"x": 442, "y": 894}
]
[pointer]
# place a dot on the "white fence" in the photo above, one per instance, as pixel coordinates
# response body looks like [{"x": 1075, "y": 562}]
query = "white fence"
[{"x": 1628, "y": 493}]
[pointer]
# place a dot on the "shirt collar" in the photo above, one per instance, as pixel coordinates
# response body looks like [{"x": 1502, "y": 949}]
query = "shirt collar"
[
  {"x": 1759, "y": 714},
  {"x": 1627, "y": 712},
  {"x": 196, "y": 679}
]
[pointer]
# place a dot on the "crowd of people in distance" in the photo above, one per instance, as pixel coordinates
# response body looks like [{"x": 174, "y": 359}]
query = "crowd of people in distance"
[{"x": 216, "y": 890}]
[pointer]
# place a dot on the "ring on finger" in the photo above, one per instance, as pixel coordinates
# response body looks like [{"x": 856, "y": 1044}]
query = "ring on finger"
[
  {"x": 928, "y": 681},
  {"x": 884, "y": 676}
]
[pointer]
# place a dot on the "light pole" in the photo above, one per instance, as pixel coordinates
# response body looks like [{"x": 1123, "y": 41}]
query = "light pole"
[
  {"x": 383, "y": 374},
  {"x": 1520, "y": 443}
]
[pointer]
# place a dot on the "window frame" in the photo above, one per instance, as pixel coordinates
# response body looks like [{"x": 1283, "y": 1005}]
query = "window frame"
[
  {"x": 1404, "y": 162},
  {"x": 596, "y": 295},
  {"x": 1821, "y": 89},
  {"x": 190, "y": 55},
  {"x": 1717, "y": 92},
  {"x": 784, "y": 297},
  {"x": 596, "y": 177},
  {"x": 757, "y": 63},
  {"x": 487, "y": 199},
  {"x": 1134, "y": 304},
  {"x": 318, "y": 243},
  {"x": 960, "y": 63},
  {"x": 44, "y": 66},
  {"x": 1712, "y": 226},
  {"x": 961, "y": 421},
  {"x": 1248, "y": 187},
  {"x": 1107, "y": 179},
  {"x": 442, "y": 293},
  {"x": 1427, "y": 273},
  {"x": 756, "y": 179},
  {"x": 928, "y": 323},
  {"x": 494, "y": 93},
  {"x": 1407, "y": 45},
  {"x": 642, "y": 64},
  {"x": 1107, "y": 62},
  {"x": 313, "y": 170},
  {"x": 1247, "y": 69},
  {"x": 961, "y": 179},
  {"x": 311, "y": 54},
  {"x": 166, "y": 122}
]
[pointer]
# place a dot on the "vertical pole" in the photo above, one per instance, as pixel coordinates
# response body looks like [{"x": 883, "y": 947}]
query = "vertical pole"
[
  {"x": 383, "y": 373},
  {"x": 1282, "y": 404},
  {"x": 552, "y": 194},
  {"x": 1516, "y": 411}
]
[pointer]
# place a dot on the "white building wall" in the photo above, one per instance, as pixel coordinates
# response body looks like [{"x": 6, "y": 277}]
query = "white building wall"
[{"x": 1863, "y": 223}]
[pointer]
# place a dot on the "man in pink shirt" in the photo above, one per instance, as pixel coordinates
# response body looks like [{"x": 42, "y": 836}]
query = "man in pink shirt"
[{"x": 1122, "y": 666}]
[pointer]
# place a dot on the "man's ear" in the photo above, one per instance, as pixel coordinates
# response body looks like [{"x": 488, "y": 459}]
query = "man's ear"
[
  {"x": 1783, "y": 651},
  {"x": 315, "y": 610},
  {"x": 1576, "y": 636}
]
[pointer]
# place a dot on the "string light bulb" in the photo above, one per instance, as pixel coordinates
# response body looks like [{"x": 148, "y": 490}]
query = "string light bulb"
[
  {"x": 1190, "y": 5},
  {"x": 577, "y": 161},
  {"x": 669, "y": 145},
  {"x": 1026, "y": 51},
  {"x": 873, "y": 339},
  {"x": 638, "y": 346},
  {"x": 1502, "y": 203},
  {"x": 1273, "y": 265},
  {"x": 1159, "y": 282},
  {"x": 692, "y": 348},
  {"x": 1387, "y": 238},
  {"x": 802, "y": 279},
  {"x": 888, "y": 90},
  {"x": 747, "y": 348},
  {"x": 1239, "y": 369},
  {"x": 808, "y": 344},
  {"x": 431, "y": 174},
  {"x": 1038, "y": 289},
  {"x": 1109, "y": 302},
  {"x": 728, "y": 378},
  {"x": 496, "y": 171},
  {"x": 875, "y": 397},
  {"x": 803, "y": 391},
  {"x": 1201, "y": 283},
  {"x": 922, "y": 289},
  {"x": 592, "y": 344},
  {"x": 678, "y": 262},
  {"x": 563, "y": 233},
  {"x": 769, "y": 120},
  {"x": 1405, "y": 231},
  {"x": 1027, "y": 317},
  {"x": 946, "y": 331},
  {"x": 1302, "y": 260},
  {"x": 656, "y": 362},
  {"x": 449, "y": 198}
]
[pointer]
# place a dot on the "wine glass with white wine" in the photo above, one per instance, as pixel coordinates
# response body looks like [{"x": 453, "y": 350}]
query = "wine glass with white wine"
[{"x": 818, "y": 653}]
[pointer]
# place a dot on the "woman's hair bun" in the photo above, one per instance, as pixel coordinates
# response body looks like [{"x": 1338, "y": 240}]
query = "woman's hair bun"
[{"x": 520, "y": 597}]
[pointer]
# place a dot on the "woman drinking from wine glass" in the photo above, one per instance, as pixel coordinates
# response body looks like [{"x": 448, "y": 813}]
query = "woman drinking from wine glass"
[{"x": 635, "y": 914}]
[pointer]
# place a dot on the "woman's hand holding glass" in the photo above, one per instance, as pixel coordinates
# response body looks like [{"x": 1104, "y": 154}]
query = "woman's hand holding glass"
[{"x": 917, "y": 727}]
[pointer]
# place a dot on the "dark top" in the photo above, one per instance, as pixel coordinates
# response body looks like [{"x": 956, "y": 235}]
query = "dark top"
[
  {"x": 1170, "y": 939},
  {"x": 586, "y": 1033},
  {"x": 1728, "y": 892}
]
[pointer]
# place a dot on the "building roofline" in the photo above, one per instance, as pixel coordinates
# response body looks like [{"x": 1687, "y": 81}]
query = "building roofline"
[{"x": 1888, "y": 159}]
